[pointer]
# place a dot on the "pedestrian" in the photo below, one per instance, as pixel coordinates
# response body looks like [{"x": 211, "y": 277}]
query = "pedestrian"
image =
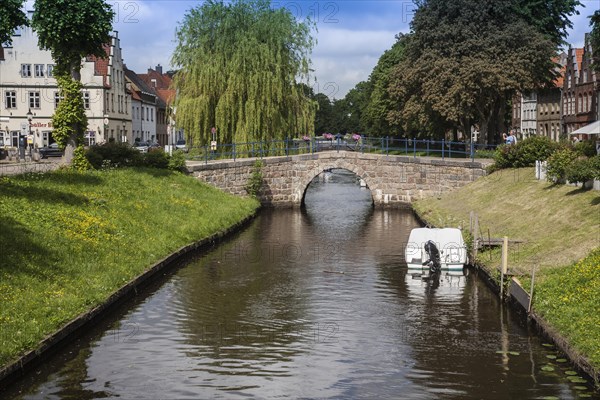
[
  {"x": 504, "y": 137},
  {"x": 511, "y": 139}
]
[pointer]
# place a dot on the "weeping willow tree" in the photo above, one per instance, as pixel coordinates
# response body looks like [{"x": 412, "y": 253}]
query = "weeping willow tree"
[{"x": 239, "y": 67}]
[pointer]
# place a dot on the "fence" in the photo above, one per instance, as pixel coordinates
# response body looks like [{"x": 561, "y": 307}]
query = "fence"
[{"x": 374, "y": 145}]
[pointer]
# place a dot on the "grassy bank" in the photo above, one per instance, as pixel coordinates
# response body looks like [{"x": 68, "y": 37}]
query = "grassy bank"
[
  {"x": 68, "y": 240},
  {"x": 561, "y": 228}
]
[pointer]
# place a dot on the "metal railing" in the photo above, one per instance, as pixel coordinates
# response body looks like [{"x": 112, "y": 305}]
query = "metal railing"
[{"x": 373, "y": 145}]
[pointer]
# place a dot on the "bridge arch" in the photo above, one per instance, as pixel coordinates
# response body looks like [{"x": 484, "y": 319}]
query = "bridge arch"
[{"x": 310, "y": 175}]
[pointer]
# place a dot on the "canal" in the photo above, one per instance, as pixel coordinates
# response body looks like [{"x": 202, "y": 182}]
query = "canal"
[{"x": 312, "y": 303}]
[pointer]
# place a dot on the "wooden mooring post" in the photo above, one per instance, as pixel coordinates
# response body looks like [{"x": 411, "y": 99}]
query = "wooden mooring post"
[{"x": 504, "y": 266}]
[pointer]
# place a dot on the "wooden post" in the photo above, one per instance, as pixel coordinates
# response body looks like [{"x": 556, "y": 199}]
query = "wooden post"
[
  {"x": 475, "y": 236},
  {"x": 504, "y": 266},
  {"x": 531, "y": 290}
]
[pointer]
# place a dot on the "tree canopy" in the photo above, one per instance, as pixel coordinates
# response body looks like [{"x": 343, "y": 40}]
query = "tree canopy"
[
  {"x": 11, "y": 17},
  {"x": 595, "y": 39},
  {"x": 71, "y": 30},
  {"x": 239, "y": 67},
  {"x": 465, "y": 59}
]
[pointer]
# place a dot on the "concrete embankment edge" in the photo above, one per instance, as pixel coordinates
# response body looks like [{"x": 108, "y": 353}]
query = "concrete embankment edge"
[
  {"x": 78, "y": 325},
  {"x": 543, "y": 327}
]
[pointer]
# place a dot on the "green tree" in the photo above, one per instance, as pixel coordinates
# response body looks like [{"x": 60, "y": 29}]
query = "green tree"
[
  {"x": 324, "y": 116},
  {"x": 376, "y": 116},
  {"x": 11, "y": 17},
  {"x": 549, "y": 17},
  {"x": 466, "y": 58},
  {"x": 239, "y": 65},
  {"x": 595, "y": 39},
  {"x": 71, "y": 30}
]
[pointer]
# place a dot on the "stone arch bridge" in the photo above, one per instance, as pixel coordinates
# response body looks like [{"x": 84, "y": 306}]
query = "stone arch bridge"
[{"x": 394, "y": 181}]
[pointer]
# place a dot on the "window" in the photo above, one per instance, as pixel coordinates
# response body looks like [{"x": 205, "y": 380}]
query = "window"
[
  {"x": 580, "y": 104},
  {"x": 39, "y": 70},
  {"x": 50, "y": 70},
  {"x": 86, "y": 100},
  {"x": 142, "y": 113},
  {"x": 10, "y": 99},
  {"x": 57, "y": 99},
  {"x": 152, "y": 114},
  {"x": 26, "y": 70},
  {"x": 34, "y": 99},
  {"x": 112, "y": 102},
  {"x": 569, "y": 81}
]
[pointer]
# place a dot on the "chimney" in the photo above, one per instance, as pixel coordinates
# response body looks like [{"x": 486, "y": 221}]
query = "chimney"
[{"x": 159, "y": 69}]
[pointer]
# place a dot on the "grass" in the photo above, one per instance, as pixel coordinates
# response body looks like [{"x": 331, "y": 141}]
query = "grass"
[
  {"x": 561, "y": 227},
  {"x": 68, "y": 240},
  {"x": 569, "y": 298}
]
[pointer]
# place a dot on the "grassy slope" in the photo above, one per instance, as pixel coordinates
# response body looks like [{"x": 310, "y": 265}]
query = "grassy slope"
[
  {"x": 69, "y": 240},
  {"x": 561, "y": 225}
]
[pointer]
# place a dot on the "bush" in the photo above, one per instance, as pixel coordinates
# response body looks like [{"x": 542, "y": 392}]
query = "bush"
[
  {"x": 256, "y": 179},
  {"x": 586, "y": 148},
  {"x": 177, "y": 161},
  {"x": 505, "y": 156},
  {"x": 524, "y": 153},
  {"x": 119, "y": 154},
  {"x": 580, "y": 171},
  {"x": 595, "y": 163},
  {"x": 559, "y": 163},
  {"x": 156, "y": 158},
  {"x": 533, "y": 149}
]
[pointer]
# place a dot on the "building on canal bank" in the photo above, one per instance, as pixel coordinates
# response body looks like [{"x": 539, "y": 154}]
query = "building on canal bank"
[
  {"x": 581, "y": 89},
  {"x": 30, "y": 94}
]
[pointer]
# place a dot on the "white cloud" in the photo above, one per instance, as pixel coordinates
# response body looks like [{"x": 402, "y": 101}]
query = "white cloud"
[
  {"x": 345, "y": 54},
  {"x": 344, "y": 57}
]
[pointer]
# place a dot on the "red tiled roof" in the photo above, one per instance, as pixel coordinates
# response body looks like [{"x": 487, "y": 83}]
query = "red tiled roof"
[
  {"x": 167, "y": 95},
  {"x": 135, "y": 95},
  {"x": 101, "y": 64},
  {"x": 163, "y": 81}
]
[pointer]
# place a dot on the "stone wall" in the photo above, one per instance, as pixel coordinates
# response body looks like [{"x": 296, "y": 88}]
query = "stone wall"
[{"x": 393, "y": 180}]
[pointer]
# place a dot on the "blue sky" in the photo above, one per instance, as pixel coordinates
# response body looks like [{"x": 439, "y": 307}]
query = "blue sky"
[{"x": 351, "y": 35}]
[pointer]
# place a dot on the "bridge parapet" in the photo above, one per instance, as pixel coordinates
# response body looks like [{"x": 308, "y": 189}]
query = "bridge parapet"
[{"x": 394, "y": 181}]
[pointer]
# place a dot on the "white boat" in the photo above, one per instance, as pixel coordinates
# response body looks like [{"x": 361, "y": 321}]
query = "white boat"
[{"x": 449, "y": 244}]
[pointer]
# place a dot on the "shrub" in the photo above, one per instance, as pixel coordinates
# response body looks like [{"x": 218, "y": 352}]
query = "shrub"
[
  {"x": 534, "y": 148},
  {"x": 524, "y": 153},
  {"x": 256, "y": 180},
  {"x": 595, "y": 165},
  {"x": 505, "y": 156},
  {"x": 580, "y": 171},
  {"x": 156, "y": 158},
  {"x": 177, "y": 161},
  {"x": 559, "y": 163},
  {"x": 116, "y": 153},
  {"x": 586, "y": 148}
]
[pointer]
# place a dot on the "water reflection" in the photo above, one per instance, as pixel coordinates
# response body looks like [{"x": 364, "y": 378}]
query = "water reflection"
[{"x": 309, "y": 304}]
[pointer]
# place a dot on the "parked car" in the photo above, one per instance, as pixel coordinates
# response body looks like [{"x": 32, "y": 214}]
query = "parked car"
[
  {"x": 52, "y": 150},
  {"x": 142, "y": 147},
  {"x": 180, "y": 145}
]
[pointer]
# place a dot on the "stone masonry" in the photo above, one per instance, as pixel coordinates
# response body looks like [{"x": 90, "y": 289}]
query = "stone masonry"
[{"x": 394, "y": 181}]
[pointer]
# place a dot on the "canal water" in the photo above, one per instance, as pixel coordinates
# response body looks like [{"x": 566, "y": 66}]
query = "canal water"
[{"x": 312, "y": 303}]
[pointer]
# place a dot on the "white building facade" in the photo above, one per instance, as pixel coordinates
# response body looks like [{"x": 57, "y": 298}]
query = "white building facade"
[
  {"x": 28, "y": 88},
  {"x": 528, "y": 115}
]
